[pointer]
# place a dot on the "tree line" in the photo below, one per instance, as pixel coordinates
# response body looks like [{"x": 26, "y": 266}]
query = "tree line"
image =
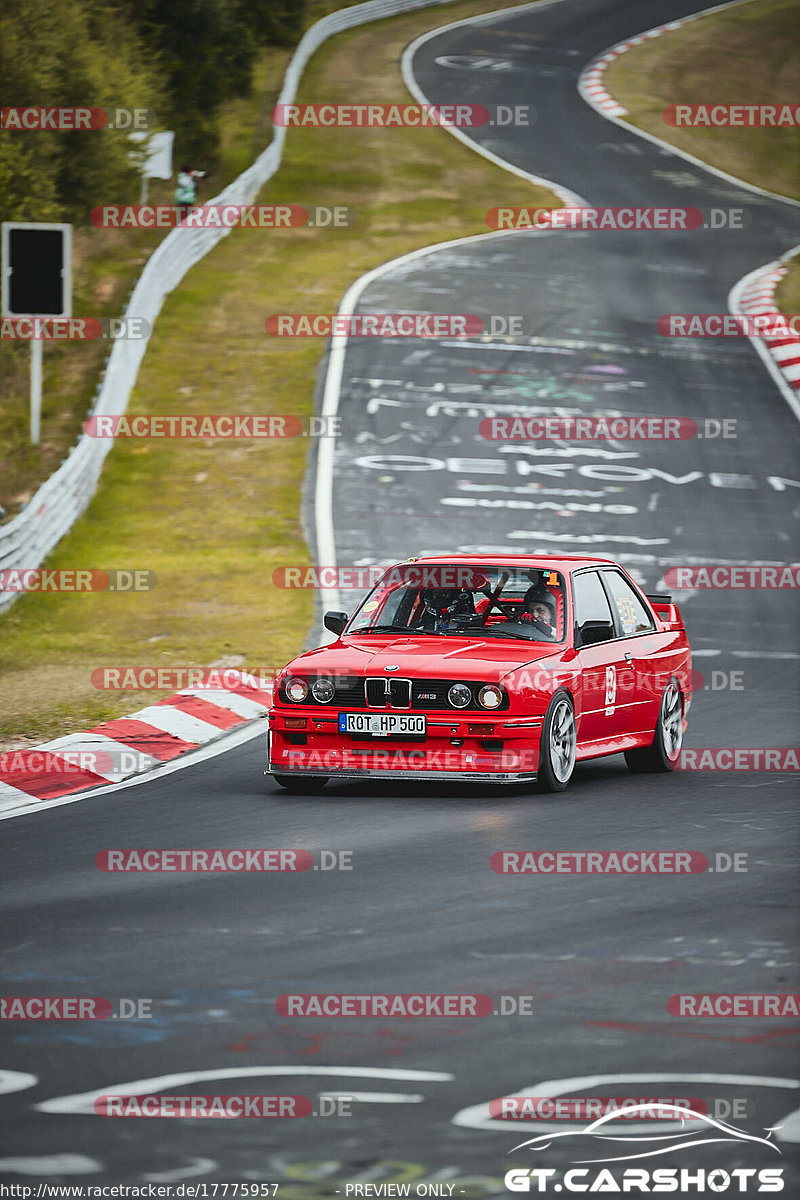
[{"x": 180, "y": 60}]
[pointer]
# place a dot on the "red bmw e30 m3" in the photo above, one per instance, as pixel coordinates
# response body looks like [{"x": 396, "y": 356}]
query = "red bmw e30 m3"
[{"x": 496, "y": 669}]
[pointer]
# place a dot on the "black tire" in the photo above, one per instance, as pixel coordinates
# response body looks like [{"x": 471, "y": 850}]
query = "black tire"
[
  {"x": 309, "y": 785},
  {"x": 557, "y": 745},
  {"x": 664, "y": 753}
]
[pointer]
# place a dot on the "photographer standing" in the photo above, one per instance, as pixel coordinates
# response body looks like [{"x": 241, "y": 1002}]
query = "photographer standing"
[{"x": 186, "y": 189}]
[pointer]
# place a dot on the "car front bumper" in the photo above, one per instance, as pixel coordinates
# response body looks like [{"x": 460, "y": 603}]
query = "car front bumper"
[{"x": 488, "y": 751}]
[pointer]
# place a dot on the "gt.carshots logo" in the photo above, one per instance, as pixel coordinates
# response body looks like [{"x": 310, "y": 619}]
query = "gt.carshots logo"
[
  {"x": 599, "y": 1143},
  {"x": 413, "y": 325},
  {"x": 683, "y": 1180}
]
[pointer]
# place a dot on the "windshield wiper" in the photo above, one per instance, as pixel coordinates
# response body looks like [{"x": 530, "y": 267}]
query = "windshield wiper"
[{"x": 391, "y": 629}]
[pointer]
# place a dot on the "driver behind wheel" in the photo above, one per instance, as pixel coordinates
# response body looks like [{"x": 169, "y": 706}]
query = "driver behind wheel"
[
  {"x": 441, "y": 605},
  {"x": 539, "y": 611}
]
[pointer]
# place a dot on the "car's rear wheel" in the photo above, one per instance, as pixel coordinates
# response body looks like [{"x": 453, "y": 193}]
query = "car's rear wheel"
[
  {"x": 558, "y": 745},
  {"x": 664, "y": 753},
  {"x": 308, "y": 784}
]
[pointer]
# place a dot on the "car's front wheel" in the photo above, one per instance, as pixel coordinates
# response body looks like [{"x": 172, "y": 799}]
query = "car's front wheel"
[
  {"x": 558, "y": 745},
  {"x": 664, "y": 753},
  {"x": 310, "y": 785}
]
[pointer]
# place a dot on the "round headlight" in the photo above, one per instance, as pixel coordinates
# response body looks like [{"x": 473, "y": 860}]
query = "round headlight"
[
  {"x": 459, "y": 695},
  {"x": 323, "y": 690},
  {"x": 490, "y": 696},
  {"x": 297, "y": 690}
]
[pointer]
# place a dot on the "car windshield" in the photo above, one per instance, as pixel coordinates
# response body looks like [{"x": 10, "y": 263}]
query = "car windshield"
[{"x": 452, "y": 599}]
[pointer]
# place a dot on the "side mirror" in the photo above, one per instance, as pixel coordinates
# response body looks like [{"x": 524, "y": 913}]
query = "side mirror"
[
  {"x": 591, "y": 633},
  {"x": 335, "y": 621}
]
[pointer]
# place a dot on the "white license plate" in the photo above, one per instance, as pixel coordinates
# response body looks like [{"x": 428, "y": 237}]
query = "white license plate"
[{"x": 380, "y": 724}]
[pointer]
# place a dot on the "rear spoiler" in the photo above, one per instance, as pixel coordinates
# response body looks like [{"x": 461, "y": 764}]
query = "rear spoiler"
[{"x": 666, "y": 611}]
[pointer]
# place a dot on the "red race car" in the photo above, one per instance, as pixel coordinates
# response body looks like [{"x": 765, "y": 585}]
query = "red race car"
[{"x": 505, "y": 669}]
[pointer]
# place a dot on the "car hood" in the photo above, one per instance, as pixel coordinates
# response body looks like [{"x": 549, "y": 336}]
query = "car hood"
[{"x": 423, "y": 657}]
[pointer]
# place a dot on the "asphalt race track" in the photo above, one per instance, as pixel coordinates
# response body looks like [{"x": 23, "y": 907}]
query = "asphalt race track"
[{"x": 421, "y": 909}]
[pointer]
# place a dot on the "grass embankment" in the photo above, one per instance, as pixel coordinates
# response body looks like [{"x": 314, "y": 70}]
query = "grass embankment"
[
  {"x": 106, "y": 264},
  {"x": 214, "y": 519},
  {"x": 748, "y": 54}
]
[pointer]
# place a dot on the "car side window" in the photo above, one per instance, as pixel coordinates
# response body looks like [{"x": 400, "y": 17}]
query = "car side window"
[
  {"x": 592, "y": 612},
  {"x": 632, "y": 614}
]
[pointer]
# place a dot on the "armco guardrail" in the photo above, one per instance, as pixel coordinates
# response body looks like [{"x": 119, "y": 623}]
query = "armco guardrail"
[{"x": 28, "y": 538}]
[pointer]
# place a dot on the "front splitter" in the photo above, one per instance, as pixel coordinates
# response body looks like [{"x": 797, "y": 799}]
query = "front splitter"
[{"x": 506, "y": 777}]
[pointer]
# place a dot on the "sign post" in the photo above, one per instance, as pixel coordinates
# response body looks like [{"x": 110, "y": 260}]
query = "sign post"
[
  {"x": 36, "y": 282},
  {"x": 158, "y": 160}
]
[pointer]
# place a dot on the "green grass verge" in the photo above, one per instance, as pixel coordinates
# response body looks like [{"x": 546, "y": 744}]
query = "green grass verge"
[
  {"x": 106, "y": 264},
  {"x": 748, "y": 54},
  {"x": 214, "y": 519}
]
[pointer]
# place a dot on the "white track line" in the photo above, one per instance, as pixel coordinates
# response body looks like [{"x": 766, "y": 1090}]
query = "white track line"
[
  {"x": 758, "y": 344},
  {"x": 591, "y": 99}
]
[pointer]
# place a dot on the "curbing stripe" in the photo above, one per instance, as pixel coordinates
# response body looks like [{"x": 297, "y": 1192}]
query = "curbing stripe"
[
  {"x": 143, "y": 742},
  {"x": 593, "y": 73},
  {"x": 242, "y": 705},
  {"x": 756, "y": 296},
  {"x": 204, "y": 710},
  {"x": 780, "y": 357},
  {"x": 181, "y": 724}
]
